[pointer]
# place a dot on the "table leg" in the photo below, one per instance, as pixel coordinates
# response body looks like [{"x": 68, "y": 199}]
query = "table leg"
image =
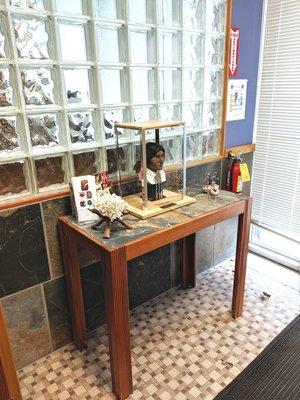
[
  {"x": 72, "y": 272},
  {"x": 241, "y": 260},
  {"x": 118, "y": 321},
  {"x": 189, "y": 262}
]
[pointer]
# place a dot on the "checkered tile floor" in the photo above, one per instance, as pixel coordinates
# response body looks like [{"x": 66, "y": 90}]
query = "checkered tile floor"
[{"x": 185, "y": 345}]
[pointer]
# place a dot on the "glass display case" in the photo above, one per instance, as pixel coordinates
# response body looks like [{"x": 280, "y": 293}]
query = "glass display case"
[{"x": 156, "y": 193}]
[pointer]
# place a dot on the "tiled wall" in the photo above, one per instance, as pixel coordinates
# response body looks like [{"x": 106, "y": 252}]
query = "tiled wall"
[{"x": 32, "y": 285}]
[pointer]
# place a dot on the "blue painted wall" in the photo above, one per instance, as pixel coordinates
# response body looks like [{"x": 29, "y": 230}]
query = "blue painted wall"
[{"x": 247, "y": 15}]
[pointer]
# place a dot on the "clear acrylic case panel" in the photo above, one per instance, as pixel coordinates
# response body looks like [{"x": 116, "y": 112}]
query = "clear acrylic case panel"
[
  {"x": 29, "y": 4},
  {"x": 121, "y": 157},
  {"x": 9, "y": 134},
  {"x": 51, "y": 171},
  {"x": 110, "y": 117},
  {"x": 72, "y": 42},
  {"x": 213, "y": 83},
  {"x": 81, "y": 127},
  {"x": 215, "y": 16},
  {"x": 38, "y": 86},
  {"x": 32, "y": 38},
  {"x": 193, "y": 146},
  {"x": 69, "y": 6},
  {"x": 168, "y": 47},
  {"x": 141, "y": 11},
  {"x": 85, "y": 163},
  {"x": 77, "y": 86},
  {"x": 168, "y": 12},
  {"x": 214, "y": 52},
  {"x": 211, "y": 114},
  {"x": 193, "y": 49},
  {"x": 143, "y": 85},
  {"x": 6, "y": 90},
  {"x": 14, "y": 179},
  {"x": 111, "y": 84},
  {"x": 142, "y": 46},
  {"x": 107, "y": 9},
  {"x": 192, "y": 116},
  {"x": 169, "y": 84},
  {"x": 173, "y": 149},
  {"x": 111, "y": 45},
  {"x": 44, "y": 130},
  {"x": 193, "y": 14},
  {"x": 210, "y": 142},
  {"x": 192, "y": 83}
]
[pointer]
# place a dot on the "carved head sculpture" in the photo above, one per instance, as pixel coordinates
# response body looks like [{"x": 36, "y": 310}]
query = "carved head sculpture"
[{"x": 155, "y": 154}]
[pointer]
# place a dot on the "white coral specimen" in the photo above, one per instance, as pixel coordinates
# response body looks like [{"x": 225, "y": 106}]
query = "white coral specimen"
[{"x": 110, "y": 205}]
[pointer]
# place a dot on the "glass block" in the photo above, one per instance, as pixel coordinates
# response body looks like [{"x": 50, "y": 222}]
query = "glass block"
[
  {"x": 140, "y": 11},
  {"x": 80, "y": 126},
  {"x": 50, "y": 171},
  {"x": 69, "y": 6},
  {"x": 2, "y": 39},
  {"x": 143, "y": 85},
  {"x": 192, "y": 115},
  {"x": 31, "y": 38},
  {"x": 193, "y": 12},
  {"x": 38, "y": 86},
  {"x": 44, "y": 130},
  {"x": 169, "y": 47},
  {"x": 12, "y": 178},
  {"x": 214, "y": 52},
  {"x": 111, "y": 86},
  {"x": 110, "y": 117},
  {"x": 215, "y": 16},
  {"x": 110, "y": 42},
  {"x": 193, "y": 147},
  {"x": 6, "y": 91},
  {"x": 119, "y": 156},
  {"x": 9, "y": 137},
  {"x": 144, "y": 113},
  {"x": 212, "y": 114},
  {"x": 173, "y": 150},
  {"x": 193, "y": 49},
  {"x": 169, "y": 84},
  {"x": 192, "y": 83},
  {"x": 210, "y": 142},
  {"x": 106, "y": 9},
  {"x": 72, "y": 42},
  {"x": 85, "y": 163},
  {"x": 77, "y": 85},
  {"x": 33, "y": 4},
  {"x": 213, "y": 83},
  {"x": 142, "y": 46},
  {"x": 169, "y": 112},
  {"x": 168, "y": 12}
]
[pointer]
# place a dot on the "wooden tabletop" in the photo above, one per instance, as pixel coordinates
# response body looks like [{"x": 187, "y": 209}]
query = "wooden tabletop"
[{"x": 144, "y": 125}]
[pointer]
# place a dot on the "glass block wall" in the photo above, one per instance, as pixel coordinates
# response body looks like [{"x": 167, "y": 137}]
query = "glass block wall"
[{"x": 70, "y": 68}]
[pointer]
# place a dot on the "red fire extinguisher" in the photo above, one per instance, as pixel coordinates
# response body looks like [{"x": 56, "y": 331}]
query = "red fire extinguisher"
[{"x": 236, "y": 185}]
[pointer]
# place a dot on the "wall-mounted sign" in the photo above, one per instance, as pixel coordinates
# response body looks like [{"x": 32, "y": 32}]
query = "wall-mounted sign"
[
  {"x": 234, "y": 50},
  {"x": 236, "y": 99}
]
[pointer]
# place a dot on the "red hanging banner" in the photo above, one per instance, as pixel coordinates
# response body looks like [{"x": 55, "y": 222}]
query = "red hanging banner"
[{"x": 234, "y": 50}]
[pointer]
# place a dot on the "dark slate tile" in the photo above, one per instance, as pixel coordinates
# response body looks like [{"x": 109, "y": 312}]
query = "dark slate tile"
[
  {"x": 204, "y": 249},
  {"x": 225, "y": 240},
  {"x": 51, "y": 210},
  {"x": 176, "y": 263},
  {"x": 93, "y": 295},
  {"x": 58, "y": 312},
  {"x": 22, "y": 250},
  {"x": 27, "y": 325},
  {"x": 149, "y": 275}
]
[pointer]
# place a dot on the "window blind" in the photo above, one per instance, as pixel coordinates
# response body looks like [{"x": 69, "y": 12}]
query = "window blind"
[{"x": 276, "y": 169}]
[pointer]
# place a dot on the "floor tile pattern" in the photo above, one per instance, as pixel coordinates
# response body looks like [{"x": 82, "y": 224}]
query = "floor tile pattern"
[{"x": 185, "y": 344}]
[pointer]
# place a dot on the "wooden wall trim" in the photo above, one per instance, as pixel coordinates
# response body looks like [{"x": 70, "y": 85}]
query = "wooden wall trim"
[
  {"x": 9, "y": 378},
  {"x": 243, "y": 149}
]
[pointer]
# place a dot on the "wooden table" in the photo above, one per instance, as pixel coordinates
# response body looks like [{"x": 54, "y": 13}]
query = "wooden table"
[{"x": 125, "y": 245}]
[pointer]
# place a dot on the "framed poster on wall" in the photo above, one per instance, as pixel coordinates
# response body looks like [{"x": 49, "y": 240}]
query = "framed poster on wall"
[{"x": 236, "y": 99}]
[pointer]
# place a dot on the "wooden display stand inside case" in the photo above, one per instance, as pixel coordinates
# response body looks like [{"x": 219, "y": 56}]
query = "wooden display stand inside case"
[{"x": 139, "y": 204}]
